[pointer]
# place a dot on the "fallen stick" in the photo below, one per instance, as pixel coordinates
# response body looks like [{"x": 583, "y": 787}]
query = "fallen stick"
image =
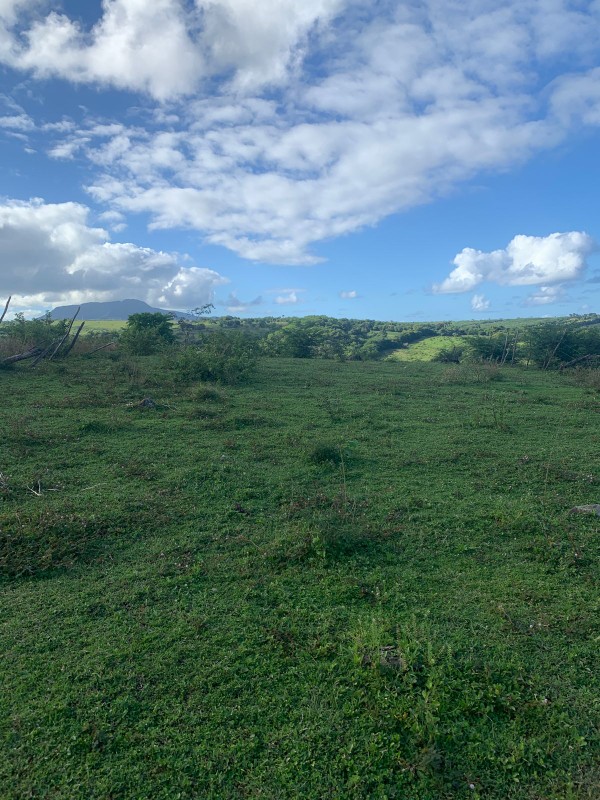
[{"x": 104, "y": 346}]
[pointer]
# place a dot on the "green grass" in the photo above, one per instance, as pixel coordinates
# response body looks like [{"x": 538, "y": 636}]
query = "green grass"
[
  {"x": 344, "y": 580},
  {"x": 428, "y": 349},
  {"x": 104, "y": 325}
]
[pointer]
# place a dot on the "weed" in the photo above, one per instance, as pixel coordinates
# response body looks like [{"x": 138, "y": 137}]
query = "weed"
[
  {"x": 325, "y": 453},
  {"x": 466, "y": 374},
  {"x": 208, "y": 394}
]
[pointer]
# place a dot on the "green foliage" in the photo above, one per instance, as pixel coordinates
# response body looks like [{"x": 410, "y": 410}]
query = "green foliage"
[
  {"x": 226, "y": 357},
  {"x": 552, "y": 344},
  {"x": 146, "y": 333},
  {"x": 498, "y": 348},
  {"x": 449, "y": 355},
  {"x": 20, "y": 334}
]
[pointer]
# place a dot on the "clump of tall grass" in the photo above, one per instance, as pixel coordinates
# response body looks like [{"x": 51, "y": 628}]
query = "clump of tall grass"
[{"x": 472, "y": 373}]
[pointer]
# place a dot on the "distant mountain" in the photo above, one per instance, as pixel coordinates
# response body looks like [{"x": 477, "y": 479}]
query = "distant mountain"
[{"x": 115, "y": 309}]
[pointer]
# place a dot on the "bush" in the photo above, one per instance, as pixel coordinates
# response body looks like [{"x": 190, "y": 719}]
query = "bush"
[
  {"x": 20, "y": 334},
  {"x": 226, "y": 357},
  {"x": 147, "y": 333},
  {"x": 449, "y": 355},
  {"x": 141, "y": 342}
]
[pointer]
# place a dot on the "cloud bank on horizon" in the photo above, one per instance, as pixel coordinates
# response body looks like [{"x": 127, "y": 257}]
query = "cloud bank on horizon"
[
  {"x": 52, "y": 255},
  {"x": 272, "y": 127}
]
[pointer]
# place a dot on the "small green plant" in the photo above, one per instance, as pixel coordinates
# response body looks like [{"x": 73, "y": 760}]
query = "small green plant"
[
  {"x": 207, "y": 394},
  {"x": 325, "y": 453}
]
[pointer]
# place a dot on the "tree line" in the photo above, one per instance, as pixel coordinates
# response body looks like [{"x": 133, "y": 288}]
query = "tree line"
[{"x": 199, "y": 340}]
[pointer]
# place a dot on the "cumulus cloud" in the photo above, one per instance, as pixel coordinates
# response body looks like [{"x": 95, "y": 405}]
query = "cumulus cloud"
[
  {"x": 288, "y": 297},
  {"x": 281, "y": 124},
  {"x": 49, "y": 253},
  {"x": 545, "y": 295},
  {"x": 352, "y": 295},
  {"x": 526, "y": 261},
  {"x": 165, "y": 47},
  {"x": 479, "y": 302}
]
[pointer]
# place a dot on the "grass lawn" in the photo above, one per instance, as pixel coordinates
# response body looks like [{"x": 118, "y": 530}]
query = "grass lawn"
[{"x": 344, "y": 580}]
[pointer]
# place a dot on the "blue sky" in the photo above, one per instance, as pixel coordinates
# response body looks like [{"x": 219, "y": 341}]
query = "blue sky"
[{"x": 420, "y": 160}]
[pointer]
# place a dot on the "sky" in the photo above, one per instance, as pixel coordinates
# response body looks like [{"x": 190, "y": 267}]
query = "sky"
[{"x": 418, "y": 160}]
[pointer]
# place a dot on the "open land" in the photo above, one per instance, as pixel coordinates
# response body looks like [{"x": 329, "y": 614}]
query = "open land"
[{"x": 342, "y": 580}]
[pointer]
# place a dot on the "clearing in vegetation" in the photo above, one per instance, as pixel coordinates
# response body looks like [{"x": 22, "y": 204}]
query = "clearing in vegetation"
[{"x": 341, "y": 580}]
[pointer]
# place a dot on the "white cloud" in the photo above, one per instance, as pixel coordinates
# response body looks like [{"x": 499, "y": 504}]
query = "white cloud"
[
  {"x": 49, "y": 254},
  {"x": 526, "y": 261},
  {"x": 479, "y": 302},
  {"x": 284, "y": 123},
  {"x": 545, "y": 295},
  {"x": 288, "y": 297},
  {"x": 18, "y": 122},
  {"x": 349, "y": 295},
  {"x": 114, "y": 219},
  {"x": 165, "y": 47}
]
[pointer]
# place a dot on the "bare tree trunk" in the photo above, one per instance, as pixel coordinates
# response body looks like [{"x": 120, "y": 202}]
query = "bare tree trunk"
[
  {"x": 72, "y": 344},
  {"x": 551, "y": 356},
  {"x": 34, "y": 351},
  {"x": 73, "y": 320},
  {"x": 66, "y": 336},
  {"x": 514, "y": 346},
  {"x": 6, "y": 308},
  {"x": 504, "y": 350}
]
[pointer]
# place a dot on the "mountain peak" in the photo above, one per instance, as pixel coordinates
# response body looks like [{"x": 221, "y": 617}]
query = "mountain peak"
[{"x": 113, "y": 309}]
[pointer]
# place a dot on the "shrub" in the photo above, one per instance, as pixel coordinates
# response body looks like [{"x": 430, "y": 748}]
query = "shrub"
[
  {"x": 206, "y": 394},
  {"x": 226, "y": 357},
  {"x": 147, "y": 333},
  {"x": 140, "y": 342},
  {"x": 449, "y": 355},
  {"x": 20, "y": 334}
]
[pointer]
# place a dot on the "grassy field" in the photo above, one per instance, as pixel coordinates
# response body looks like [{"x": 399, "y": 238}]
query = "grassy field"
[
  {"x": 345, "y": 580},
  {"x": 104, "y": 325},
  {"x": 428, "y": 349}
]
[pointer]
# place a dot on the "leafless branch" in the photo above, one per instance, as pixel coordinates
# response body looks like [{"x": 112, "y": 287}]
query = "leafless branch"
[{"x": 6, "y": 308}]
